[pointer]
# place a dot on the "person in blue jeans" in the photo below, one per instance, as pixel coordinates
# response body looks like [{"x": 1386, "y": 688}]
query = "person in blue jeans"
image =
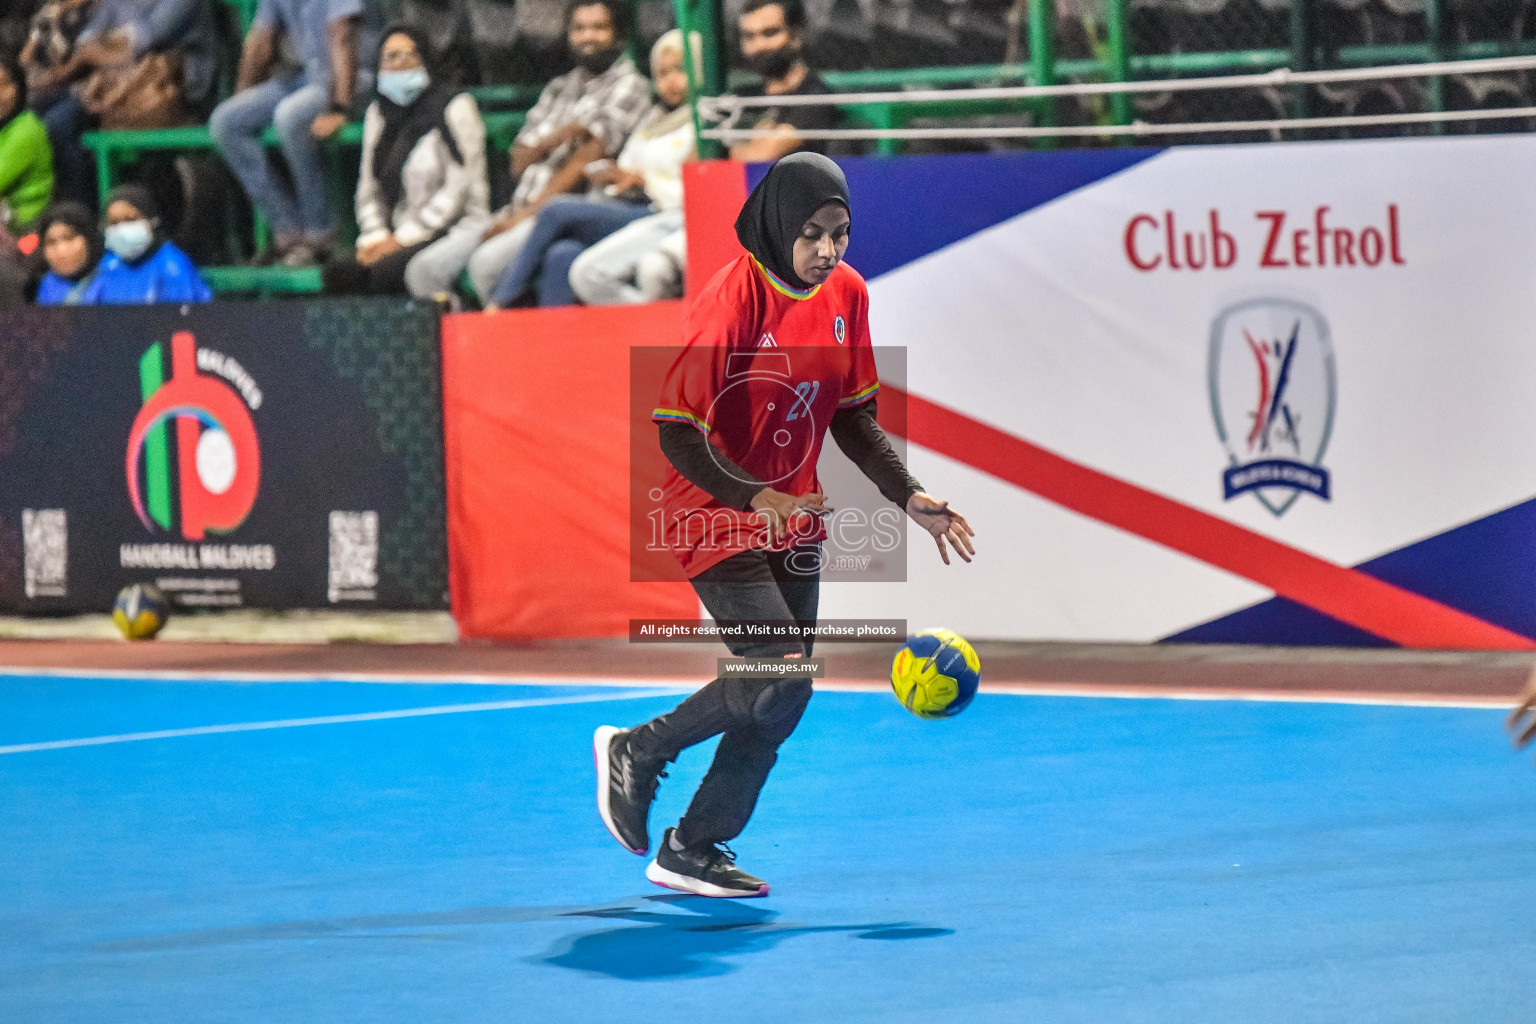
[
  {"x": 647, "y": 177},
  {"x": 142, "y": 266},
  {"x": 306, "y": 107},
  {"x": 564, "y": 229}
]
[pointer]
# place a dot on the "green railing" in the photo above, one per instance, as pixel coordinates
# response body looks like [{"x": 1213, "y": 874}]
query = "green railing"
[{"x": 1116, "y": 62}]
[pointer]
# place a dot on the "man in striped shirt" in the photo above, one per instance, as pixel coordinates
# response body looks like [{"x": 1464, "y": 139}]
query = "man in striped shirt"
[{"x": 582, "y": 116}]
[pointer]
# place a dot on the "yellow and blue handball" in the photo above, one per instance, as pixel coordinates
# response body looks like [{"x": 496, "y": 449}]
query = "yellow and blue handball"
[
  {"x": 140, "y": 611},
  {"x": 935, "y": 674}
]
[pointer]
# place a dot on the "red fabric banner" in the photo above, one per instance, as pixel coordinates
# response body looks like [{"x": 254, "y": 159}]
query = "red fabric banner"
[
  {"x": 536, "y": 418},
  {"x": 714, "y": 191}
]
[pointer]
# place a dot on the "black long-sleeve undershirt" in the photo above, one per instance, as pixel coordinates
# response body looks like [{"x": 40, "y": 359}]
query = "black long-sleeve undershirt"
[
  {"x": 856, "y": 431},
  {"x": 707, "y": 467},
  {"x": 859, "y": 435}
]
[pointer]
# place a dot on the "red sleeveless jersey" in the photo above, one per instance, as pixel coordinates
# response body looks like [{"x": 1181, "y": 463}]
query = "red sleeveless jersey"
[{"x": 762, "y": 370}]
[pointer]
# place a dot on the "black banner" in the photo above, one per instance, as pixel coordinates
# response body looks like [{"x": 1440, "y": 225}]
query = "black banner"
[{"x": 269, "y": 455}]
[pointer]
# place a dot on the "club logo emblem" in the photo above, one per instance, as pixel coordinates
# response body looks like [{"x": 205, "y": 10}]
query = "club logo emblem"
[
  {"x": 839, "y": 329},
  {"x": 218, "y": 457},
  {"x": 1273, "y": 390}
]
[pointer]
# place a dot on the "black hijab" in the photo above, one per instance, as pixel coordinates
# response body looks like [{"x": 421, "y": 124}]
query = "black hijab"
[
  {"x": 406, "y": 126},
  {"x": 143, "y": 200},
  {"x": 791, "y": 192},
  {"x": 84, "y": 222},
  {"x": 140, "y": 198}
]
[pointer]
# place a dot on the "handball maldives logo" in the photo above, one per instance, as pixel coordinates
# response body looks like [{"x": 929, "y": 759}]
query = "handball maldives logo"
[
  {"x": 218, "y": 460},
  {"x": 1273, "y": 392}
]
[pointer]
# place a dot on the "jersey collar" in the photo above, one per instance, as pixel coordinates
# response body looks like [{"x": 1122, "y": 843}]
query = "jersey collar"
[{"x": 779, "y": 286}]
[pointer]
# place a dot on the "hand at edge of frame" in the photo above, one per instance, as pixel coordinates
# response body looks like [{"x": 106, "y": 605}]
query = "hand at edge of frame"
[{"x": 942, "y": 523}]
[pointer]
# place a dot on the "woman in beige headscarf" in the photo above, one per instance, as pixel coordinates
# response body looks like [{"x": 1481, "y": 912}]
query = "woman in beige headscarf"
[
  {"x": 633, "y": 217},
  {"x": 644, "y": 261}
]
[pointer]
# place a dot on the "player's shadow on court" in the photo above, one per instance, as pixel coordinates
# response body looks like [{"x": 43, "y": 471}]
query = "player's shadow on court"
[{"x": 662, "y": 943}]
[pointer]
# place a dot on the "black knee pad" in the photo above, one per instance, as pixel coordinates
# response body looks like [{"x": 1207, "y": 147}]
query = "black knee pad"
[
  {"x": 779, "y": 701},
  {"x": 768, "y": 704}
]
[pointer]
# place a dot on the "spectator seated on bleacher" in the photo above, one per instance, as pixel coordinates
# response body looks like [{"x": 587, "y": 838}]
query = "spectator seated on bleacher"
[
  {"x": 644, "y": 260},
  {"x": 26, "y": 162},
  {"x": 51, "y": 38},
  {"x": 135, "y": 64},
  {"x": 449, "y": 34},
  {"x": 581, "y": 116},
  {"x": 423, "y": 169},
  {"x": 26, "y": 178},
  {"x": 772, "y": 37},
  {"x": 306, "y": 106},
  {"x": 142, "y": 266},
  {"x": 640, "y": 197},
  {"x": 71, "y": 248}
]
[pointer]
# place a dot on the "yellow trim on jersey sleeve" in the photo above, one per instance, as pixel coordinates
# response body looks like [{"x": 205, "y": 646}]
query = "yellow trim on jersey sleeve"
[
  {"x": 680, "y": 416},
  {"x": 862, "y": 396}
]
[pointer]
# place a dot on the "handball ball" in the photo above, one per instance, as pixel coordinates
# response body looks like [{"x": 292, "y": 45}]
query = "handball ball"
[
  {"x": 140, "y": 611},
  {"x": 935, "y": 674}
]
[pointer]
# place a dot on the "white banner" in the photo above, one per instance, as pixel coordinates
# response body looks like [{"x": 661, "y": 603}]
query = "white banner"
[{"x": 1331, "y": 346}]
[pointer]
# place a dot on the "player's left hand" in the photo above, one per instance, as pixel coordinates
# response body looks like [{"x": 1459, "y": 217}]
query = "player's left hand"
[
  {"x": 1522, "y": 721},
  {"x": 943, "y": 523}
]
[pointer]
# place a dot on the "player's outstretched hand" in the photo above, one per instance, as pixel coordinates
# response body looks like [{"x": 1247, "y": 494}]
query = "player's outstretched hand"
[
  {"x": 943, "y": 523},
  {"x": 776, "y": 509},
  {"x": 1522, "y": 721}
]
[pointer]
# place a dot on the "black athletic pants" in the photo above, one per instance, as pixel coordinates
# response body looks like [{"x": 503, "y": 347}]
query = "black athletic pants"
[{"x": 755, "y": 715}]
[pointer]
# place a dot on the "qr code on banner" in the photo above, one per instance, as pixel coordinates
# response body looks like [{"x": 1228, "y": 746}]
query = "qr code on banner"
[
  {"x": 354, "y": 556},
  {"x": 45, "y": 544}
]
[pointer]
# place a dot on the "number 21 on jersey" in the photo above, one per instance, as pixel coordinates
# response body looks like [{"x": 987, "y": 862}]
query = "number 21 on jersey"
[{"x": 805, "y": 395}]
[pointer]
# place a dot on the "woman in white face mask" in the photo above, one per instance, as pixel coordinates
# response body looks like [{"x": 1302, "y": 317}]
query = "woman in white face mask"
[
  {"x": 141, "y": 266},
  {"x": 423, "y": 169}
]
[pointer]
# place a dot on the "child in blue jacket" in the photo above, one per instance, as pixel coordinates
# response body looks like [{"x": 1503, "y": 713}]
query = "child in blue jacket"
[{"x": 142, "y": 266}]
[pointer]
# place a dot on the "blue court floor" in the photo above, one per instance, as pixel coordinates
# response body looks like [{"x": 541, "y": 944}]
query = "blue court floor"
[{"x": 1037, "y": 859}]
